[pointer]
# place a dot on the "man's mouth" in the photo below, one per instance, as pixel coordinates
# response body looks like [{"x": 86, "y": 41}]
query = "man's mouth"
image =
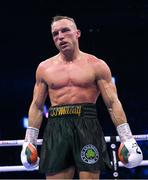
[{"x": 63, "y": 44}]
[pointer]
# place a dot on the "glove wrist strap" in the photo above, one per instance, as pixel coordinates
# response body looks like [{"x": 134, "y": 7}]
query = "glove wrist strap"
[
  {"x": 32, "y": 135},
  {"x": 124, "y": 132}
]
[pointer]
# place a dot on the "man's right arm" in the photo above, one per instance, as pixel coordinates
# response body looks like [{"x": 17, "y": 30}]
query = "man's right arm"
[
  {"x": 29, "y": 155},
  {"x": 36, "y": 108}
]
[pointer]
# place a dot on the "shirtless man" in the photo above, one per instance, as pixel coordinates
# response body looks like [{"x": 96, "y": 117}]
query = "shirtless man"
[{"x": 73, "y": 138}]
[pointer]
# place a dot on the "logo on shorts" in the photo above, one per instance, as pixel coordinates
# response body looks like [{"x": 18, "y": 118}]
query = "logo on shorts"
[{"x": 89, "y": 154}]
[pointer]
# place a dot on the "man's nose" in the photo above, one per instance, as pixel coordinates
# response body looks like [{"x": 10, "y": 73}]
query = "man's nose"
[{"x": 61, "y": 35}]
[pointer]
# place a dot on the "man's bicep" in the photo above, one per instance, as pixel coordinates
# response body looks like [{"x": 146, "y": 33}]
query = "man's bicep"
[{"x": 105, "y": 83}]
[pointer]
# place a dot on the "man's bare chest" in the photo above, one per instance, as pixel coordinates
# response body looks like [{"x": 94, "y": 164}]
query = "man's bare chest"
[{"x": 70, "y": 75}]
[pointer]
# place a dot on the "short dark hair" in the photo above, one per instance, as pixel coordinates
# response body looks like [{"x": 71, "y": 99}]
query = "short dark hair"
[{"x": 59, "y": 17}]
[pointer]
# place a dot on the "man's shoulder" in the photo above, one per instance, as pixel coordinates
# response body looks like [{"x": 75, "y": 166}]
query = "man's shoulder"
[
  {"x": 94, "y": 59},
  {"x": 98, "y": 64},
  {"x": 47, "y": 62}
]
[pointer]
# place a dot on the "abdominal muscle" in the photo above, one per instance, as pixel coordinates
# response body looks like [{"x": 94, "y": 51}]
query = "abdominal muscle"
[{"x": 73, "y": 95}]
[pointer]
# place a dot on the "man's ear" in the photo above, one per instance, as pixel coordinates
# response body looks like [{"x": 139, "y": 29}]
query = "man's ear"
[{"x": 78, "y": 33}]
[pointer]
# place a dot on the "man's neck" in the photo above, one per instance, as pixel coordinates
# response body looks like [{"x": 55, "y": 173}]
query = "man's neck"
[{"x": 70, "y": 57}]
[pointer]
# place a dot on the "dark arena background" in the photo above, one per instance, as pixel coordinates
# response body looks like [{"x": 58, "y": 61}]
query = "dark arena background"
[{"x": 115, "y": 31}]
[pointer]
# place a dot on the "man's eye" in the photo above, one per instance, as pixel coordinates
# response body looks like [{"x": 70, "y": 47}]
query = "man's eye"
[
  {"x": 65, "y": 30},
  {"x": 55, "y": 33}
]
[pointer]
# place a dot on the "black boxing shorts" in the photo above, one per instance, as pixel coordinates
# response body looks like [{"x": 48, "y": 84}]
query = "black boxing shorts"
[{"x": 73, "y": 137}]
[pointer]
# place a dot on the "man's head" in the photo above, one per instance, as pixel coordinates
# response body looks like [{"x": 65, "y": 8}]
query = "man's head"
[{"x": 65, "y": 33}]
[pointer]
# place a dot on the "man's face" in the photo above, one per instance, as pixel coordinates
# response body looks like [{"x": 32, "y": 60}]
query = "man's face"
[{"x": 65, "y": 34}]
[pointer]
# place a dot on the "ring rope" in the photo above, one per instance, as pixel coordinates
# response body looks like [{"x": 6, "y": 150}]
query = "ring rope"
[
  {"x": 6, "y": 143},
  {"x": 142, "y": 137},
  {"x": 22, "y": 168}
]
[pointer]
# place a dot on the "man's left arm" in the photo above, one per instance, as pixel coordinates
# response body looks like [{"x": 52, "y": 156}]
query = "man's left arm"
[{"x": 129, "y": 152}]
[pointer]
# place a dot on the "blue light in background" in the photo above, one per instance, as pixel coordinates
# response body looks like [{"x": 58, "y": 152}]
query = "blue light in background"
[
  {"x": 114, "y": 80},
  {"x": 45, "y": 111},
  {"x": 25, "y": 122},
  {"x": 145, "y": 172}
]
